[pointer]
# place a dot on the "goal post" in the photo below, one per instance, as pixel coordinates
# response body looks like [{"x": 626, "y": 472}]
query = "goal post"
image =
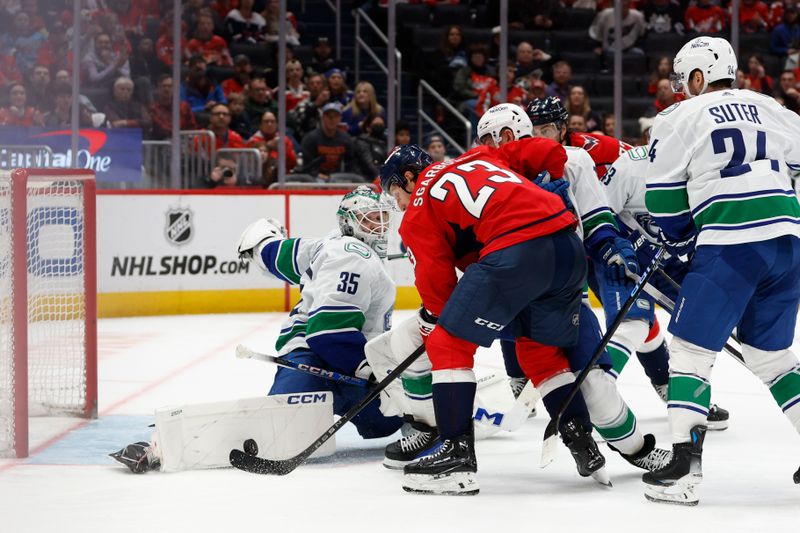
[{"x": 48, "y": 299}]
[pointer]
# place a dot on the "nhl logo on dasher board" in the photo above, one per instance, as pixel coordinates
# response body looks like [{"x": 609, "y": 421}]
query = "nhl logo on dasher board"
[{"x": 179, "y": 229}]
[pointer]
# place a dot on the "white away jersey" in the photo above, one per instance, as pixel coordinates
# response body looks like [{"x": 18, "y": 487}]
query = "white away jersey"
[
  {"x": 586, "y": 193},
  {"x": 625, "y": 188},
  {"x": 721, "y": 162},
  {"x": 344, "y": 290}
]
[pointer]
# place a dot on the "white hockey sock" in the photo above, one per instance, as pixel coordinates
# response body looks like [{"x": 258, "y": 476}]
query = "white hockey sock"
[
  {"x": 689, "y": 387},
  {"x": 610, "y": 415},
  {"x": 780, "y": 371},
  {"x": 628, "y": 338}
]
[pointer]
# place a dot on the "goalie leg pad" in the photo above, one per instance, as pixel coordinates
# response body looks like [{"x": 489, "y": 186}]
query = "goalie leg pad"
[
  {"x": 612, "y": 418},
  {"x": 780, "y": 372},
  {"x": 689, "y": 388}
]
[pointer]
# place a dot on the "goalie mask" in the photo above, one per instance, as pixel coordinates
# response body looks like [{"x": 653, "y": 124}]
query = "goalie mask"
[{"x": 364, "y": 214}]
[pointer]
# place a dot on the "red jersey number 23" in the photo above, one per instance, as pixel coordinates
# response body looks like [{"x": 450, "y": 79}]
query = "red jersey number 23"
[{"x": 474, "y": 205}]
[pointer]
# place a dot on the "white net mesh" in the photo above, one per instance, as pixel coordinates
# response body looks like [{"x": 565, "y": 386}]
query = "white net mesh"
[
  {"x": 6, "y": 310},
  {"x": 57, "y": 363}
]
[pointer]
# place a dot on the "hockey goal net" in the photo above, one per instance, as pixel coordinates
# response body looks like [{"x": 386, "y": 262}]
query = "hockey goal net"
[{"x": 48, "y": 336}]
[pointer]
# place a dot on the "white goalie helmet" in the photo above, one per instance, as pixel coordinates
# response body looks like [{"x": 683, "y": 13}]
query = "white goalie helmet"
[
  {"x": 502, "y": 116},
  {"x": 364, "y": 214},
  {"x": 713, "y": 56}
]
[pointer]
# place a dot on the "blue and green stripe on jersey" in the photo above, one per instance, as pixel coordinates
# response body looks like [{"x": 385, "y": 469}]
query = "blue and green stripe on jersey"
[
  {"x": 596, "y": 219},
  {"x": 334, "y": 319},
  {"x": 280, "y": 258},
  {"x": 747, "y": 210}
]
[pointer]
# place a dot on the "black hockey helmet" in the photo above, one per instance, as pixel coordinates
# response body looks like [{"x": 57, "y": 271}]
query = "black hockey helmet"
[
  {"x": 547, "y": 110},
  {"x": 406, "y": 157}
]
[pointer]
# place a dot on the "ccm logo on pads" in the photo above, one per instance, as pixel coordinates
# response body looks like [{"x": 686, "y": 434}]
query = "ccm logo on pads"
[
  {"x": 307, "y": 398},
  {"x": 485, "y": 323}
]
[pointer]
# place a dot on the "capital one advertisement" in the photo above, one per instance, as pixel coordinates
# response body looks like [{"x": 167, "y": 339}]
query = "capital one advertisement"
[{"x": 115, "y": 154}]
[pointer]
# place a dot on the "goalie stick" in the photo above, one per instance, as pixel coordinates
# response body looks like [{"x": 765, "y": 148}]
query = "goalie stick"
[
  {"x": 243, "y": 352},
  {"x": 257, "y": 465},
  {"x": 550, "y": 444}
]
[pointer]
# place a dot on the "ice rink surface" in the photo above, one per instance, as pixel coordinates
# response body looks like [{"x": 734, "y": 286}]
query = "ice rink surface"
[{"x": 69, "y": 484}]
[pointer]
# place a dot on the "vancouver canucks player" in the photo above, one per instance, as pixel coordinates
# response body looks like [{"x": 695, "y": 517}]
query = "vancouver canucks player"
[{"x": 719, "y": 187}]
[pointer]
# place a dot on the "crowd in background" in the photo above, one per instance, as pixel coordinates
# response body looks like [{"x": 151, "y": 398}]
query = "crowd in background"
[{"x": 336, "y": 124}]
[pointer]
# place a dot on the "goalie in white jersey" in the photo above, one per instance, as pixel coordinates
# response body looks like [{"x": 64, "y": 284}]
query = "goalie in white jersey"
[{"x": 719, "y": 185}]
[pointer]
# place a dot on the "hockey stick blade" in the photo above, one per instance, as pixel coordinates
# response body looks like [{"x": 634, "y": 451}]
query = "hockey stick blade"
[
  {"x": 550, "y": 445},
  {"x": 243, "y": 352},
  {"x": 285, "y": 466}
]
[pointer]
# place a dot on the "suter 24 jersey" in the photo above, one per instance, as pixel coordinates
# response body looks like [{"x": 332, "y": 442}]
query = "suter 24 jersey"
[
  {"x": 721, "y": 163},
  {"x": 346, "y": 296}
]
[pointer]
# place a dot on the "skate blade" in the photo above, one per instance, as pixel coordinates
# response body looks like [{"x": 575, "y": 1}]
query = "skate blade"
[
  {"x": 393, "y": 464},
  {"x": 455, "y": 484},
  {"x": 602, "y": 477},
  {"x": 720, "y": 425},
  {"x": 681, "y": 492},
  {"x": 549, "y": 451}
]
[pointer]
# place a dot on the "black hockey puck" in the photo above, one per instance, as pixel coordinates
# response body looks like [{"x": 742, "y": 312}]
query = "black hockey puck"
[
  {"x": 797, "y": 477},
  {"x": 250, "y": 447}
]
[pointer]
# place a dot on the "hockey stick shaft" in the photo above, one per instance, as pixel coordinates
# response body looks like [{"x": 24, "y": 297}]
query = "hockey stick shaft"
[
  {"x": 551, "y": 431},
  {"x": 243, "y": 352},
  {"x": 664, "y": 301},
  {"x": 285, "y": 466}
]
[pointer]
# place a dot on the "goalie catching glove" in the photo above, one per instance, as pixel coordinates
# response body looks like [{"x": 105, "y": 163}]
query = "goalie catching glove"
[{"x": 256, "y": 236}]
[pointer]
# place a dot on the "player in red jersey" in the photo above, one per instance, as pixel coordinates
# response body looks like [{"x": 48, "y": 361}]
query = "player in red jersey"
[{"x": 475, "y": 210}]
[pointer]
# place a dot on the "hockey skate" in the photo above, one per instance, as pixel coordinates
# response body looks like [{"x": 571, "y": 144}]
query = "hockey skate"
[
  {"x": 675, "y": 483},
  {"x": 140, "y": 457},
  {"x": 517, "y": 384},
  {"x": 717, "y": 418},
  {"x": 584, "y": 450},
  {"x": 649, "y": 457},
  {"x": 419, "y": 441},
  {"x": 449, "y": 470},
  {"x": 796, "y": 477}
]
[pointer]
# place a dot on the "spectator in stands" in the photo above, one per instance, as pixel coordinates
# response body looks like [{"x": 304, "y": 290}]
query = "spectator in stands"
[
  {"x": 402, "y": 133},
  {"x": 760, "y": 81},
  {"x": 662, "y": 72},
  {"x": 164, "y": 46},
  {"x": 212, "y": 47},
  {"x": 664, "y": 16},
  {"x": 8, "y": 71},
  {"x": 225, "y": 172},
  {"x": 259, "y": 98},
  {"x": 664, "y": 98},
  {"x": 447, "y": 59},
  {"x": 531, "y": 60},
  {"x": 103, "y": 65},
  {"x": 609, "y": 124},
  {"x": 304, "y": 118},
  {"x": 328, "y": 149},
  {"x": 562, "y": 75},
  {"x": 241, "y": 122},
  {"x": 245, "y": 25},
  {"x": 242, "y": 71},
  {"x": 787, "y": 92},
  {"x": 705, "y": 17},
  {"x": 55, "y": 53},
  {"x": 578, "y": 104},
  {"x": 471, "y": 80},
  {"x": 273, "y": 24},
  {"x": 322, "y": 60},
  {"x": 528, "y": 14},
  {"x": 538, "y": 89},
  {"x": 123, "y": 111},
  {"x": 61, "y": 115},
  {"x": 18, "y": 112},
  {"x": 633, "y": 29},
  {"x": 193, "y": 10},
  {"x": 144, "y": 63},
  {"x": 753, "y": 16},
  {"x": 39, "y": 89},
  {"x": 577, "y": 123},
  {"x": 338, "y": 87},
  {"x": 741, "y": 80},
  {"x": 31, "y": 7},
  {"x": 295, "y": 90},
  {"x": 785, "y": 40},
  {"x": 369, "y": 148},
  {"x": 23, "y": 41},
  {"x": 219, "y": 123},
  {"x": 199, "y": 91},
  {"x": 268, "y": 133},
  {"x": 363, "y": 104},
  {"x": 160, "y": 111},
  {"x": 436, "y": 149}
]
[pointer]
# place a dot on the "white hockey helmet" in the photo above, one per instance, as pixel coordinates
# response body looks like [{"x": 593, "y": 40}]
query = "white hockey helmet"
[
  {"x": 502, "y": 116},
  {"x": 713, "y": 56},
  {"x": 364, "y": 214}
]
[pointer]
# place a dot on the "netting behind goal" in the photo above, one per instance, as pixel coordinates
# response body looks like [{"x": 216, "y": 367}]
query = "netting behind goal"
[{"x": 47, "y": 309}]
